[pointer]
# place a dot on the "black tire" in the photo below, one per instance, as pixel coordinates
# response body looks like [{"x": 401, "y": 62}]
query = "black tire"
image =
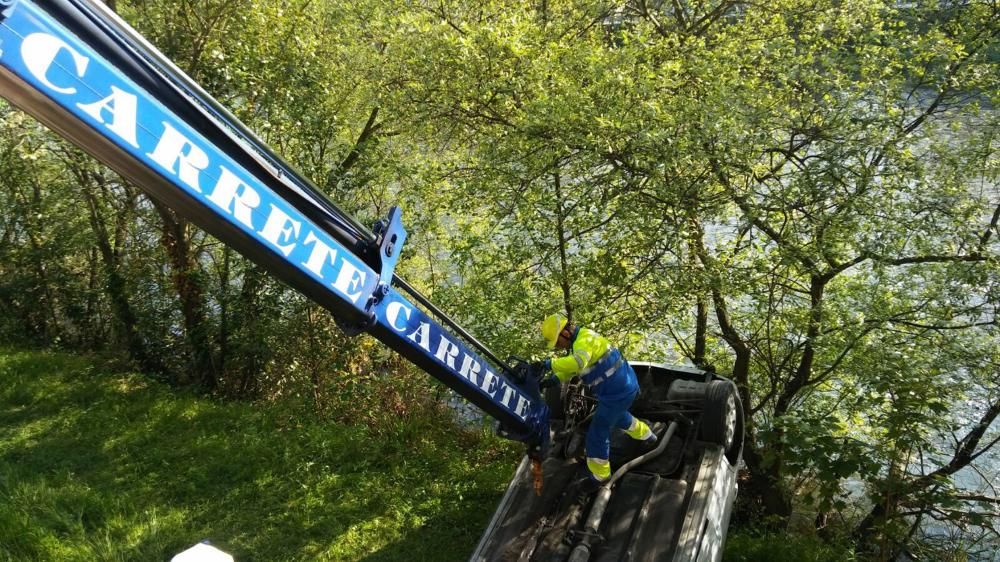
[{"x": 722, "y": 418}]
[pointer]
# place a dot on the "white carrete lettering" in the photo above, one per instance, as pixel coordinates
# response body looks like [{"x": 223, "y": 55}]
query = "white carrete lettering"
[
  {"x": 508, "y": 394},
  {"x": 489, "y": 384},
  {"x": 470, "y": 368},
  {"x": 422, "y": 336},
  {"x": 350, "y": 280},
  {"x": 280, "y": 228},
  {"x": 447, "y": 352},
  {"x": 39, "y": 52},
  {"x": 175, "y": 149},
  {"x": 235, "y": 197},
  {"x": 392, "y": 315},
  {"x": 320, "y": 256},
  {"x": 122, "y": 106},
  {"x": 522, "y": 406}
]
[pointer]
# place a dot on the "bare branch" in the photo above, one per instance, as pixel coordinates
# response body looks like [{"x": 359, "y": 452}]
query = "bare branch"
[
  {"x": 978, "y": 498},
  {"x": 940, "y": 327},
  {"x": 985, "y": 238},
  {"x": 973, "y": 257},
  {"x": 967, "y": 451},
  {"x": 370, "y": 128}
]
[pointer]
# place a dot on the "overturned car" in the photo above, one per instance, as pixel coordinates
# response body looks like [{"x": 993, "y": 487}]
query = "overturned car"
[{"x": 670, "y": 503}]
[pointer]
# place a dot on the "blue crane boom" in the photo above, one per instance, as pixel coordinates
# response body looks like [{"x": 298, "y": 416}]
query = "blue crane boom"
[{"x": 76, "y": 67}]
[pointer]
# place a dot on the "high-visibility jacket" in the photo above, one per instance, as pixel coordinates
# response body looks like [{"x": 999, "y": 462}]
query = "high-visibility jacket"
[{"x": 598, "y": 363}]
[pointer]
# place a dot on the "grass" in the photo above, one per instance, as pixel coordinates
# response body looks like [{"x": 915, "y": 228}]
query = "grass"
[
  {"x": 97, "y": 465},
  {"x": 750, "y": 546}
]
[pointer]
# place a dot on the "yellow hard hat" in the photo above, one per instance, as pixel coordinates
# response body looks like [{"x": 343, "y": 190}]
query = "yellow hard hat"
[{"x": 551, "y": 326}]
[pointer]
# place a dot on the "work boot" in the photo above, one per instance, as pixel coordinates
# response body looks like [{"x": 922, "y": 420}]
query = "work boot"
[
  {"x": 589, "y": 485},
  {"x": 584, "y": 486},
  {"x": 640, "y": 431}
]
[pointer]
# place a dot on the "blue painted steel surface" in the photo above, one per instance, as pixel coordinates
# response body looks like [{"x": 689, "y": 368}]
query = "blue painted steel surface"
[
  {"x": 43, "y": 53},
  {"x": 393, "y": 237},
  {"x": 409, "y": 330}
]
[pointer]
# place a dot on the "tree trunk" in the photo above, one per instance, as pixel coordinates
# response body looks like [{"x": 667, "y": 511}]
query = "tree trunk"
[
  {"x": 224, "y": 312},
  {"x": 763, "y": 498},
  {"x": 700, "y": 332},
  {"x": 188, "y": 283},
  {"x": 315, "y": 376},
  {"x": 45, "y": 321},
  {"x": 115, "y": 284},
  {"x": 563, "y": 260},
  {"x": 253, "y": 349},
  {"x": 762, "y": 494},
  {"x": 92, "y": 327},
  {"x": 864, "y": 532}
]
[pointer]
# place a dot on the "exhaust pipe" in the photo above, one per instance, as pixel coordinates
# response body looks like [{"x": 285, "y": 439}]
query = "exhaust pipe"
[{"x": 581, "y": 552}]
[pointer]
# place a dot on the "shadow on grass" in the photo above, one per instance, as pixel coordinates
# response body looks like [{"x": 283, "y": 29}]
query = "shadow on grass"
[{"x": 114, "y": 467}]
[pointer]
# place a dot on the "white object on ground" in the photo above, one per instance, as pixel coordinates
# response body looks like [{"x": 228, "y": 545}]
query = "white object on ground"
[{"x": 202, "y": 552}]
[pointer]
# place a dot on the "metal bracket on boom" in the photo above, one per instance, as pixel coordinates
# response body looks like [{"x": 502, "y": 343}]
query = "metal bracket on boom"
[
  {"x": 382, "y": 254},
  {"x": 389, "y": 237}
]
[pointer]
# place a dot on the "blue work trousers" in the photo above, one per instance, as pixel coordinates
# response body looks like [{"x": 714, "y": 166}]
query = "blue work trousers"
[{"x": 610, "y": 413}]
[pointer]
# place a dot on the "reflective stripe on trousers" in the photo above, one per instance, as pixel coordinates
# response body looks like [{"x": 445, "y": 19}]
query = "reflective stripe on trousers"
[{"x": 609, "y": 413}]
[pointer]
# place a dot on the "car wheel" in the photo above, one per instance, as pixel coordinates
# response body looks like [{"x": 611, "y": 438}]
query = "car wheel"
[{"x": 722, "y": 418}]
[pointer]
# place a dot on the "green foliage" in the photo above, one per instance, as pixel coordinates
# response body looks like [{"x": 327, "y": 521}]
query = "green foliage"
[
  {"x": 819, "y": 172},
  {"x": 103, "y": 465},
  {"x": 753, "y": 547},
  {"x": 819, "y": 177},
  {"x": 44, "y": 294}
]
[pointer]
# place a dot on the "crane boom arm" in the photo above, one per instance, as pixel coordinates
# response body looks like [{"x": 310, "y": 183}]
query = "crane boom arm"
[{"x": 77, "y": 68}]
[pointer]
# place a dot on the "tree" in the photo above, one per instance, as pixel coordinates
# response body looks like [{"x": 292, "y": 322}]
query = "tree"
[
  {"x": 801, "y": 195},
  {"x": 795, "y": 166},
  {"x": 112, "y": 211},
  {"x": 45, "y": 270}
]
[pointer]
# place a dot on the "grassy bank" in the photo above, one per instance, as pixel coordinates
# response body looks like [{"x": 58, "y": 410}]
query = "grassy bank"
[
  {"x": 750, "y": 546},
  {"x": 98, "y": 465}
]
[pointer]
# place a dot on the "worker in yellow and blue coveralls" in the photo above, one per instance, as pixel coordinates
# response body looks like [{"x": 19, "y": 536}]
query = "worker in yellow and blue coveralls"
[{"x": 611, "y": 380}]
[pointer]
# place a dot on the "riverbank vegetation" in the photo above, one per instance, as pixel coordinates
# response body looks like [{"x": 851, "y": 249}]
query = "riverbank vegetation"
[
  {"x": 801, "y": 195},
  {"x": 97, "y": 464}
]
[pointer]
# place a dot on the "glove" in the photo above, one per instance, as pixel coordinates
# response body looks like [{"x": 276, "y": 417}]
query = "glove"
[
  {"x": 548, "y": 381},
  {"x": 542, "y": 367}
]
